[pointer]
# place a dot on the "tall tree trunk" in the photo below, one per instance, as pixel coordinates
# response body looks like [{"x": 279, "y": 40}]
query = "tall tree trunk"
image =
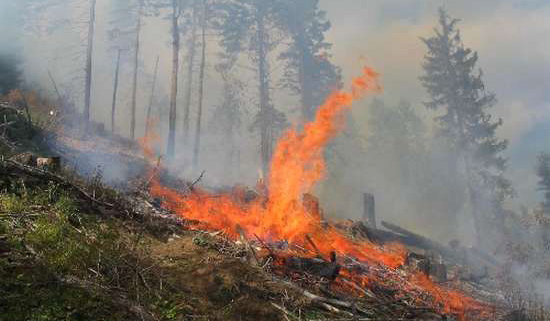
[
  {"x": 305, "y": 88},
  {"x": 196, "y": 149},
  {"x": 115, "y": 91},
  {"x": 89, "y": 54},
  {"x": 135, "y": 78},
  {"x": 265, "y": 127},
  {"x": 150, "y": 107},
  {"x": 190, "y": 73},
  {"x": 170, "y": 150}
]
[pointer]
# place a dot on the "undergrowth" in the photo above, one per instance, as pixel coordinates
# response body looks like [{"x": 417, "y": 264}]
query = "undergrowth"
[{"x": 63, "y": 264}]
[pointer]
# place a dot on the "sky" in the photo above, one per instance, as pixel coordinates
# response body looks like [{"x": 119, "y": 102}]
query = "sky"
[{"x": 511, "y": 37}]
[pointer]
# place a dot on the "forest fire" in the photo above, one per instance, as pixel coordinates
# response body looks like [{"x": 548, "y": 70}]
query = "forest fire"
[{"x": 296, "y": 167}]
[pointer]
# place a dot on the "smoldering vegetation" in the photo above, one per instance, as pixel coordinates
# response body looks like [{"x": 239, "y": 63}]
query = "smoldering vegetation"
[{"x": 219, "y": 81}]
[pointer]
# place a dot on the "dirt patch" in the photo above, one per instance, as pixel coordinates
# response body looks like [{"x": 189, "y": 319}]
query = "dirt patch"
[{"x": 223, "y": 288}]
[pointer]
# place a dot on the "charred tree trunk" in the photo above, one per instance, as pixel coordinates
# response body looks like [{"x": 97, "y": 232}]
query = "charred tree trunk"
[
  {"x": 135, "y": 78},
  {"x": 196, "y": 149},
  {"x": 151, "y": 97},
  {"x": 369, "y": 214},
  {"x": 190, "y": 74},
  {"x": 89, "y": 55},
  {"x": 176, "y": 11},
  {"x": 115, "y": 91}
]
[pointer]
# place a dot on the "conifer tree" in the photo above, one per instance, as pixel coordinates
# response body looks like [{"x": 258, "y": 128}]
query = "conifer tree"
[{"x": 456, "y": 88}]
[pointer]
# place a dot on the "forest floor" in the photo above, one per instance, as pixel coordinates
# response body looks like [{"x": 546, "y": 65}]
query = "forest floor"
[{"x": 75, "y": 248}]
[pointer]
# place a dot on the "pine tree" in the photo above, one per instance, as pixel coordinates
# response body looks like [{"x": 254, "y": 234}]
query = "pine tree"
[
  {"x": 125, "y": 34},
  {"x": 254, "y": 27},
  {"x": 308, "y": 70},
  {"x": 543, "y": 172},
  {"x": 456, "y": 87}
]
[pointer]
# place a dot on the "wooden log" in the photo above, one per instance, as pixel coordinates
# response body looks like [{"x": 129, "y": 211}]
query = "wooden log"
[
  {"x": 369, "y": 214},
  {"x": 315, "y": 266}
]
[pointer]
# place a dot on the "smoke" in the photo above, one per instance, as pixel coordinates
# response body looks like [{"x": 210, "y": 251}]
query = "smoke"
[{"x": 411, "y": 173}]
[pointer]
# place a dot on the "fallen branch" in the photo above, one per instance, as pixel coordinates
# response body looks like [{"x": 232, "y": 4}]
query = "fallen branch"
[
  {"x": 197, "y": 180},
  {"x": 43, "y": 174},
  {"x": 285, "y": 311},
  {"x": 316, "y": 298}
]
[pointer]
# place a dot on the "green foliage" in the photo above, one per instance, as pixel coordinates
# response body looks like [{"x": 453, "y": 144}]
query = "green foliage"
[
  {"x": 456, "y": 87},
  {"x": 308, "y": 70},
  {"x": 11, "y": 203}
]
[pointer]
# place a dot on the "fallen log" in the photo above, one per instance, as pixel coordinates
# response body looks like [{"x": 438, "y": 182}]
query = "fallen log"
[
  {"x": 417, "y": 240},
  {"x": 13, "y": 167},
  {"x": 423, "y": 242},
  {"x": 315, "y": 266}
]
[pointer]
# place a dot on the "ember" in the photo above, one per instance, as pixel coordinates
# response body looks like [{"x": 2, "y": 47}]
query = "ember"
[{"x": 296, "y": 167}]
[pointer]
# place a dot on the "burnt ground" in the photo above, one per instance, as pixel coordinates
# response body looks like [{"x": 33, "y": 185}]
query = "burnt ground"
[{"x": 75, "y": 248}]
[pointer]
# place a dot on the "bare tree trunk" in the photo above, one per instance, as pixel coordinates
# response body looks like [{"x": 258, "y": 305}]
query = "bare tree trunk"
[
  {"x": 134, "y": 80},
  {"x": 115, "y": 91},
  {"x": 89, "y": 54},
  {"x": 305, "y": 89},
  {"x": 150, "y": 107},
  {"x": 189, "y": 86},
  {"x": 266, "y": 139},
  {"x": 170, "y": 150},
  {"x": 196, "y": 149}
]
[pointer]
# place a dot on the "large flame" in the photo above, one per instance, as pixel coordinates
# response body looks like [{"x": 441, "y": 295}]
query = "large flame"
[{"x": 296, "y": 167}]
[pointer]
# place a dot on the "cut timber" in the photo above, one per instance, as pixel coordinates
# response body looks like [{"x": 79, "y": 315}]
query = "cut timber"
[
  {"x": 369, "y": 214},
  {"x": 315, "y": 266}
]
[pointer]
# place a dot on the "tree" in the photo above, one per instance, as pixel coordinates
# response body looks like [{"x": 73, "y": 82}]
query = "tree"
[
  {"x": 192, "y": 50},
  {"x": 226, "y": 121},
  {"x": 125, "y": 34},
  {"x": 204, "y": 22},
  {"x": 151, "y": 97},
  {"x": 177, "y": 7},
  {"x": 396, "y": 140},
  {"x": 89, "y": 64},
  {"x": 456, "y": 87},
  {"x": 543, "y": 172},
  {"x": 308, "y": 70},
  {"x": 65, "y": 18},
  {"x": 254, "y": 27},
  {"x": 10, "y": 76},
  {"x": 115, "y": 91}
]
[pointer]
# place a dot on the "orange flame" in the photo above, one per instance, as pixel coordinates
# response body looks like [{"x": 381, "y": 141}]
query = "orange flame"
[{"x": 297, "y": 166}]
